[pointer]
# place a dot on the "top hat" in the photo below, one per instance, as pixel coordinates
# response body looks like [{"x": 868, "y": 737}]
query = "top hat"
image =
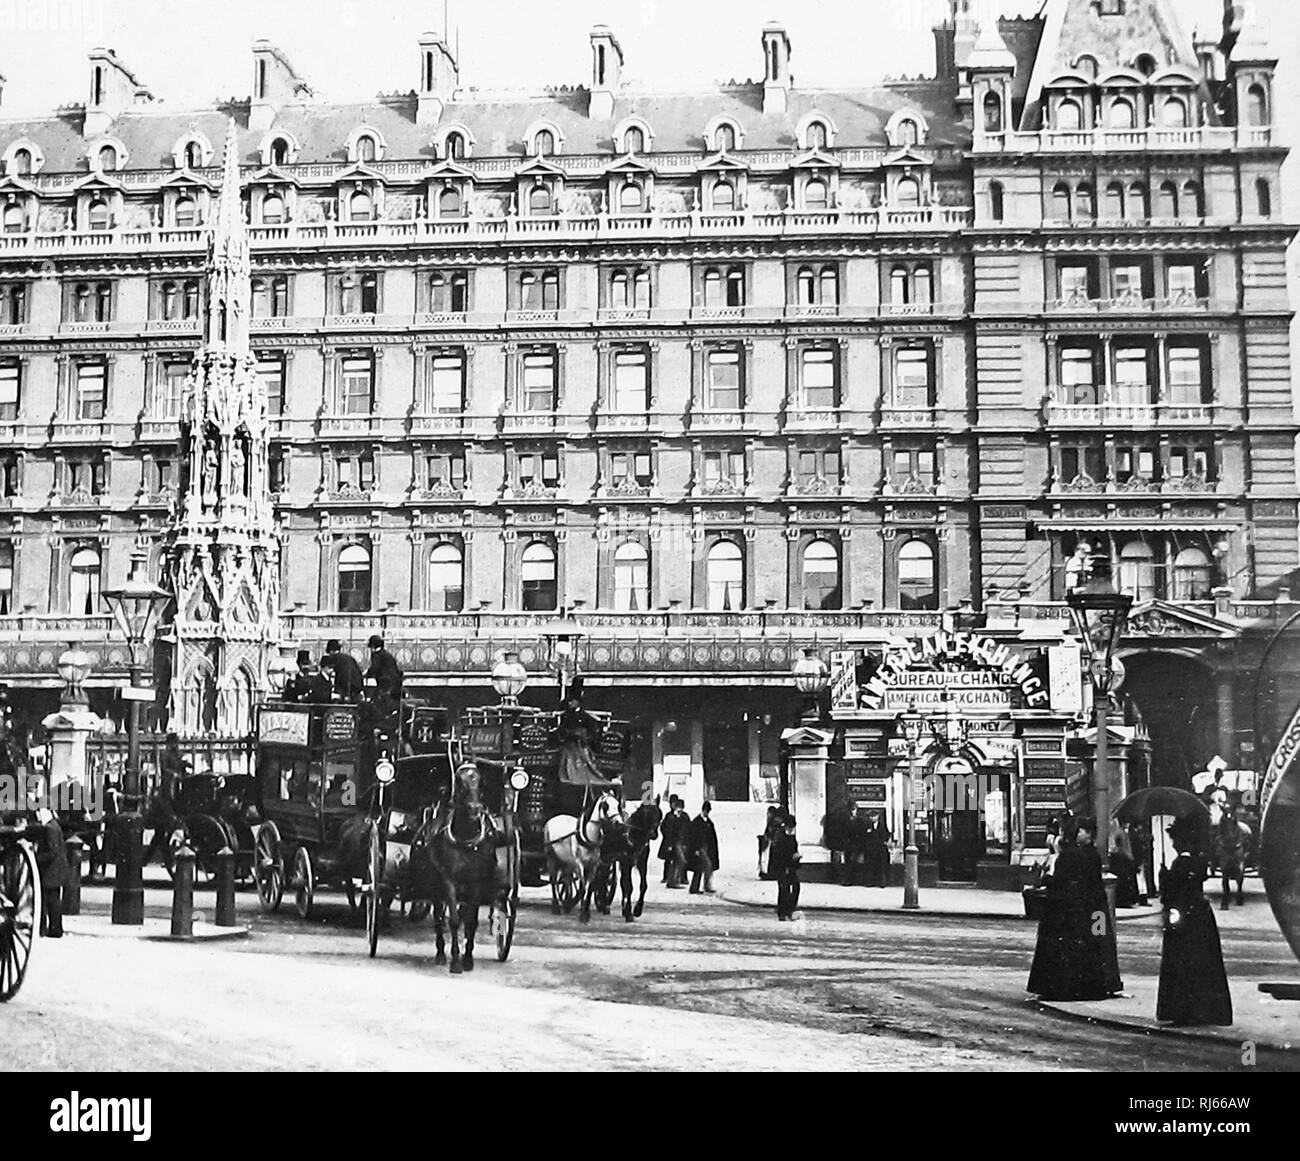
[
  {"x": 333, "y": 645},
  {"x": 304, "y": 656},
  {"x": 376, "y": 642}
]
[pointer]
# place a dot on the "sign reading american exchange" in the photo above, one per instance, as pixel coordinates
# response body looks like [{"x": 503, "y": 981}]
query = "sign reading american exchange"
[{"x": 908, "y": 672}]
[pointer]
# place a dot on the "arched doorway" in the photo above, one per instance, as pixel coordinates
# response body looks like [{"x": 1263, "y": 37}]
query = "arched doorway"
[{"x": 1178, "y": 701}]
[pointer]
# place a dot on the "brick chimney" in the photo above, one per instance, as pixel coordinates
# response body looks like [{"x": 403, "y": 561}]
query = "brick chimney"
[
  {"x": 439, "y": 77},
  {"x": 776, "y": 68},
  {"x": 275, "y": 84},
  {"x": 606, "y": 73},
  {"x": 114, "y": 88}
]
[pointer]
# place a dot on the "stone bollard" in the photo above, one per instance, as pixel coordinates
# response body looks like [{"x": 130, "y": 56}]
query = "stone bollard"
[
  {"x": 183, "y": 893},
  {"x": 225, "y": 888},
  {"x": 72, "y": 888}
]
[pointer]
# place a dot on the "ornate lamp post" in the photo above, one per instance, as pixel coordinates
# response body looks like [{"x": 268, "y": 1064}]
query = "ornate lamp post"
[
  {"x": 136, "y": 607},
  {"x": 811, "y": 676},
  {"x": 562, "y": 637},
  {"x": 911, "y": 725},
  {"x": 1099, "y": 614},
  {"x": 509, "y": 677}
]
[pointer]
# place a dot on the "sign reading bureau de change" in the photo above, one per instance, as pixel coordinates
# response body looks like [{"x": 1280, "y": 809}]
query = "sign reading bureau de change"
[{"x": 986, "y": 690}]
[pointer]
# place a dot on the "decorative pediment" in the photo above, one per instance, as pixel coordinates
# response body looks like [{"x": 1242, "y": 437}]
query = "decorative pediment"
[
  {"x": 186, "y": 179},
  {"x": 1164, "y": 619},
  {"x": 722, "y": 161},
  {"x": 906, "y": 156},
  {"x": 271, "y": 175},
  {"x": 361, "y": 172},
  {"x": 448, "y": 171},
  {"x": 11, "y": 184},
  {"x": 629, "y": 164},
  {"x": 539, "y": 167},
  {"x": 814, "y": 159},
  {"x": 98, "y": 181},
  {"x": 806, "y": 736}
]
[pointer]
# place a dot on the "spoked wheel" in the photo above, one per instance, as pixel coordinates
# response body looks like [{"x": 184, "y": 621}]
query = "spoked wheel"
[
  {"x": 304, "y": 883},
  {"x": 268, "y": 865},
  {"x": 206, "y": 836},
  {"x": 569, "y": 890},
  {"x": 374, "y": 871},
  {"x": 502, "y": 920},
  {"x": 605, "y": 885},
  {"x": 20, "y": 917}
]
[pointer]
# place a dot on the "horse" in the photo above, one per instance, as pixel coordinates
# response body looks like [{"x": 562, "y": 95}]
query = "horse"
[
  {"x": 455, "y": 862},
  {"x": 629, "y": 846},
  {"x": 1230, "y": 841},
  {"x": 573, "y": 851}
]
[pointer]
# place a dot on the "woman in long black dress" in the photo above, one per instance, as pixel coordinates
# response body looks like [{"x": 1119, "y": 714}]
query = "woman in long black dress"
[
  {"x": 1101, "y": 922},
  {"x": 1068, "y": 963},
  {"x": 1193, "y": 983}
]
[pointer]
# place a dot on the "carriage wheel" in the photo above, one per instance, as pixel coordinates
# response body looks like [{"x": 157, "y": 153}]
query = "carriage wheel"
[
  {"x": 374, "y": 871},
  {"x": 206, "y": 836},
  {"x": 503, "y": 923},
  {"x": 570, "y": 889},
  {"x": 304, "y": 883},
  {"x": 605, "y": 886},
  {"x": 20, "y": 917},
  {"x": 268, "y": 865}
]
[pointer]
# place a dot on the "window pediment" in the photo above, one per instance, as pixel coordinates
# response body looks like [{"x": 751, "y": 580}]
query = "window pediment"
[{"x": 814, "y": 159}]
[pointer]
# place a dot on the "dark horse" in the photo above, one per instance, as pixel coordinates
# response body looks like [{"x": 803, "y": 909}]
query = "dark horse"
[
  {"x": 1230, "y": 843},
  {"x": 456, "y": 860},
  {"x": 628, "y": 846}
]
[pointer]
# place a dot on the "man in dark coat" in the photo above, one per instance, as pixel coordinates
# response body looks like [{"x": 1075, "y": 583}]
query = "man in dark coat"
[
  {"x": 876, "y": 856},
  {"x": 783, "y": 866},
  {"x": 704, "y": 851},
  {"x": 309, "y": 684},
  {"x": 384, "y": 668},
  {"x": 673, "y": 847},
  {"x": 172, "y": 769},
  {"x": 344, "y": 670},
  {"x": 52, "y": 860}
]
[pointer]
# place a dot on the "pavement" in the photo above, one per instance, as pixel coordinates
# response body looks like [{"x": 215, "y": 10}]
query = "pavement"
[{"x": 102, "y": 927}]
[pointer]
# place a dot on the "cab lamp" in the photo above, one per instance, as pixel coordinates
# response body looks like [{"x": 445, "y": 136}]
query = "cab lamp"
[
  {"x": 519, "y": 779},
  {"x": 385, "y": 772}
]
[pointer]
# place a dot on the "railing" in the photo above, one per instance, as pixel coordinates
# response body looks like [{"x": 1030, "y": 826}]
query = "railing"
[
  {"x": 1131, "y": 304},
  {"x": 1127, "y": 414},
  {"x": 1211, "y": 137}
]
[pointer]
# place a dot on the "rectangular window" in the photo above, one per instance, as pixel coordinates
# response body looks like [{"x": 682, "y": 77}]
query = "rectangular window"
[
  {"x": 1187, "y": 462},
  {"x": 1134, "y": 463},
  {"x": 722, "y": 381},
  {"x": 10, "y": 389},
  {"x": 913, "y": 386},
  {"x": 819, "y": 379},
  {"x": 447, "y": 381},
  {"x": 915, "y": 467},
  {"x": 631, "y": 382},
  {"x": 1075, "y": 282},
  {"x": 359, "y": 294},
  {"x": 13, "y": 303},
  {"x": 1126, "y": 281},
  {"x": 271, "y": 296},
  {"x": 539, "y": 469},
  {"x": 358, "y": 385},
  {"x": 449, "y": 292},
  {"x": 1086, "y": 461},
  {"x": 163, "y": 477},
  {"x": 724, "y": 467},
  {"x": 276, "y": 477},
  {"x": 1132, "y": 376},
  {"x": 1078, "y": 375},
  {"x": 355, "y": 472},
  {"x": 630, "y": 467},
  {"x": 88, "y": 477},
  {"x": 270, "y": 372},
  {"x": 539, "y": 290},
  {"x": 816, "y": 465},
  {"x": 1185, "y": 281},
  {"x": 9, "y": 475},
  {"x": 539, "y": 381},
  {"x": 170, "y": 389},
  {"x": 444, "y": 471},
  {"x": 1186, "y": 376},
  {"x": 90, "y": 391},
  {"x": 6, "y": 577}
]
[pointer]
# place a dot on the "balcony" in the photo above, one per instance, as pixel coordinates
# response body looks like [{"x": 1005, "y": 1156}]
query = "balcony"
[
  {"x": 1135, "y": 304},
  {"x": 907, "y": 418},
  {"x": 438, "y": 423},
  {"x": 621, "y": 421},
  {"x": 811, "y": 419},
  {"x": 172, "y": 326},
  {"x": 1209, "y": 138},
  {"x": 723, "y": 489},
  {"x": 1094, "y": 415},
  {"x": 711, "y": 420}
]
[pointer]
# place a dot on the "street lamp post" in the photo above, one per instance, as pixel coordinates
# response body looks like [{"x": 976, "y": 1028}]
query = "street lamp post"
[
  {"x": 509, "y": 678},
  {"x": 910, "y": 725},
  {"x": 811, "y": 678},
  {"x": 1099, "y": 614},
  {"x": 136, "y": 607},
  {"x": 562, "y": 637}
]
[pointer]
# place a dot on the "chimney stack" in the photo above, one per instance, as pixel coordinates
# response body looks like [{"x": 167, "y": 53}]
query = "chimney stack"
[
  {"x": 439, "y": 77},
  {"x": 606, "y": 73},
  {"x": 776, "y": 68},
  {"x": 275, "y": 84},
  {"x": 114, "y": 88}
]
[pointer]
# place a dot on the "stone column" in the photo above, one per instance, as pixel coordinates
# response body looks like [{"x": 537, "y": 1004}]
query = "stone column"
[
  {"x": 808, "y": 748},
  {"x": 69, "y": 730},
  {"x": 1227, "y": 719}
]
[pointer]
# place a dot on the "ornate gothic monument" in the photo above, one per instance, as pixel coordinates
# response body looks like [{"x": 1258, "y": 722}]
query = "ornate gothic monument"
[{"x": 222, "y": 547}]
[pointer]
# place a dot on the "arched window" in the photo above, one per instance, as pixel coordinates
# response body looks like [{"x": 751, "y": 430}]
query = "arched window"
[
  {"x": 537, "y": 575},
  {"x": 366, "y": 149},
  {"x": 361, "y": 207},
  {"x": 1061, "y": 202},
  {"x": 631, "y": 578},
  {"x": 735, "y": 287},
  {"x": 544, "y": 143},
  {"x": 103, "y": 301},
  {"x": 354, "y": 579},
  {"x": 629, "y": 198},
  {"x": 634, "y": 140},
  {"x": 908, "y": 133},
  {"x": 992, "y": 113},
  {"x": 446, "y": 579},
  {"x": 97, "y": 214},
  {"x": 1263, "y": 198},
  {"x": 539, "y": 199},
  {"x": 1085, "y": 203},
  {"x": 1137, "y": 570},
  {"x": 830, "y": 285},
  {"x": 909, "y": 192},
  {"x": 997, "y": 206},
  {"x": 1069, "y": 116},
  {"x": 273, "y": 210},
  {"x": 1193, "y": 199},
  {"x": 725, "y": 576},
  {"x": 1256, "y": 106},
  {"x": 1138, "y": 209},
  {"x": 1086, "y": 66},
  {"x": 1193, "y": 575},
  {"x": 641, "y": 289},
  {"x": 449, "y": 203},
  {"x": 170, "y": 301},
  {"x": 1173, "y": 113},
  {"x": 922, "y": 286},
  {"x": 724, "y": 138},
  {"x": 107, "y": 158},
  {"x": 83, "y": 583},
  {"x": 816, "y": 135},
  {"x": 1122, "y": 114},
  {"x": 1115, "y": 201},
  {"x": 279, "y": 151},
  {"x": 900, "y": 285},
  {"x": 618, "y": 288},
  {"x": 713, "y": 287},
  {"x": 22, "y": 164},
  {"x": 6, "y": 579},
  {"x": 814, "y": 194},
  {"x": 193, "y": 155},
  {"x": 190, "y": 300},
  {"x": 1167, "y": 200},
  {"x": 724, "y": 195},
  {"x": 454, "y": 147},
  {"x": 821, "y": 576},
  {"x": 918, "y": 576},
  {"x": 187, "y": 213},
  {"x": 805, "y": 287},
  {"x": 14, "y": 219}
]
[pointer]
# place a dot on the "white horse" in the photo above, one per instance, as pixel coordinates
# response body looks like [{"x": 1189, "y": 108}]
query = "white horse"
[{"x": 573, "y": 853}]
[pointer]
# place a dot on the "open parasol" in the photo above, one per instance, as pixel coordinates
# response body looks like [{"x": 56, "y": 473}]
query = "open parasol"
[{"x": 1144, "y": 804}]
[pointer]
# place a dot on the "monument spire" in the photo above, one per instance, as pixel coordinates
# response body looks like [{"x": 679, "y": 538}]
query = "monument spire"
[{"x": 229, "y": 288}]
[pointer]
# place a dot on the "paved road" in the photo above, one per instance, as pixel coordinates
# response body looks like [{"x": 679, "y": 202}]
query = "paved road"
[{"x": 697, "y": 983}]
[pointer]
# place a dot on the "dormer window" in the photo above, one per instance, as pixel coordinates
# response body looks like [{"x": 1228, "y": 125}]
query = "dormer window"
[
  {"x": 816, "y": 137},
  {"x": 724, "y": 138},
  {"x": 107, "y": 159},
  {"x": 539, "y": 200},
  {"x": 1256, "y": 107},
  {"x": 97, "y": 215},
  {"x": 544, "y": 143},
  {"x": 186, "y": 213},
  {"x": 1122, "y": 114},
  {"x": 992, "y": 113},
  {"x": 454, "y": 146},
  {"x": 361, "y": 207},
  {"x": 1086, "y": 66},
  {"x": 279, "y": 151},
  {"x": 634, "y": 140},
  {"x": 814, "y": 194},
  {"x": 22, "y": 162},
  {"x": 1069, "y": 116},
  {"x": 194, "y": 155},
  {"x": 908, "y": 135},
  {"x": 1173, "y": 113},
  {"x": 14, "y": 219},
  {"x": 631, "y": 198},
  {"x": 723, "y": 195},
  {"x": 273, "y": 213},
  {"x": 1145, "y": 64},
  {"x": 1111, "y": 7},
  {"x": 909, "y": 193},
  {"x": 450, "y": 204},
  {"x": 367, "y": 151}
]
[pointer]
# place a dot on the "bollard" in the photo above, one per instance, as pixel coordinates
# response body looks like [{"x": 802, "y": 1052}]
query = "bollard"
[
  {"x": 128, "y": 879},
  {"x": 72, "y": 888},
  {"x": 183, "y": 893},
  {"x": 225, "y": 888}
]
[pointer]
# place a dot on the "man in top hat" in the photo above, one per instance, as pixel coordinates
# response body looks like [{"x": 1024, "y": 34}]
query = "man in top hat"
[
  {"x": 344, "y": 669},
  {"x": 384, "y": 668},
  {"x": 309, "y": 684}
]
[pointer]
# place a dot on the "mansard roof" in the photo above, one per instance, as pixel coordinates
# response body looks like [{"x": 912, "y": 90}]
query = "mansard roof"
[
  {"x": 1076, "y": 28},
  {"x": 499, "y": 126}
]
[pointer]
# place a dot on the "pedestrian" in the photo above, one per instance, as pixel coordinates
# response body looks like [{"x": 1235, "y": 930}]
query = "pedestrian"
[
  {"x": 668, "y": 836},
  {"x": 1140, "y": 837},
  {"x": 1193, "y": 983},
  {"x": 384, "y": 668},
  {"x": 765, "y": 842},
  {"x": 52, "y": 861},
  {"x": 784, "y": 867},
  {"x": 681, "y": 833},
  {"x": 876, "y": 852},
  {"x": 1067, "y": 961},
  {"x": 309, "y": 684},
  {"x": 704, "y": 851},
  {"x": 855, "y": 845},
  {"x": 1102, "y": 919},
  {"x": 1231, "y": 841},
  {"x": 162, "y": 818},
  {"x": 1122, "y": 866},
  {"x": 343, "y": 669}
]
